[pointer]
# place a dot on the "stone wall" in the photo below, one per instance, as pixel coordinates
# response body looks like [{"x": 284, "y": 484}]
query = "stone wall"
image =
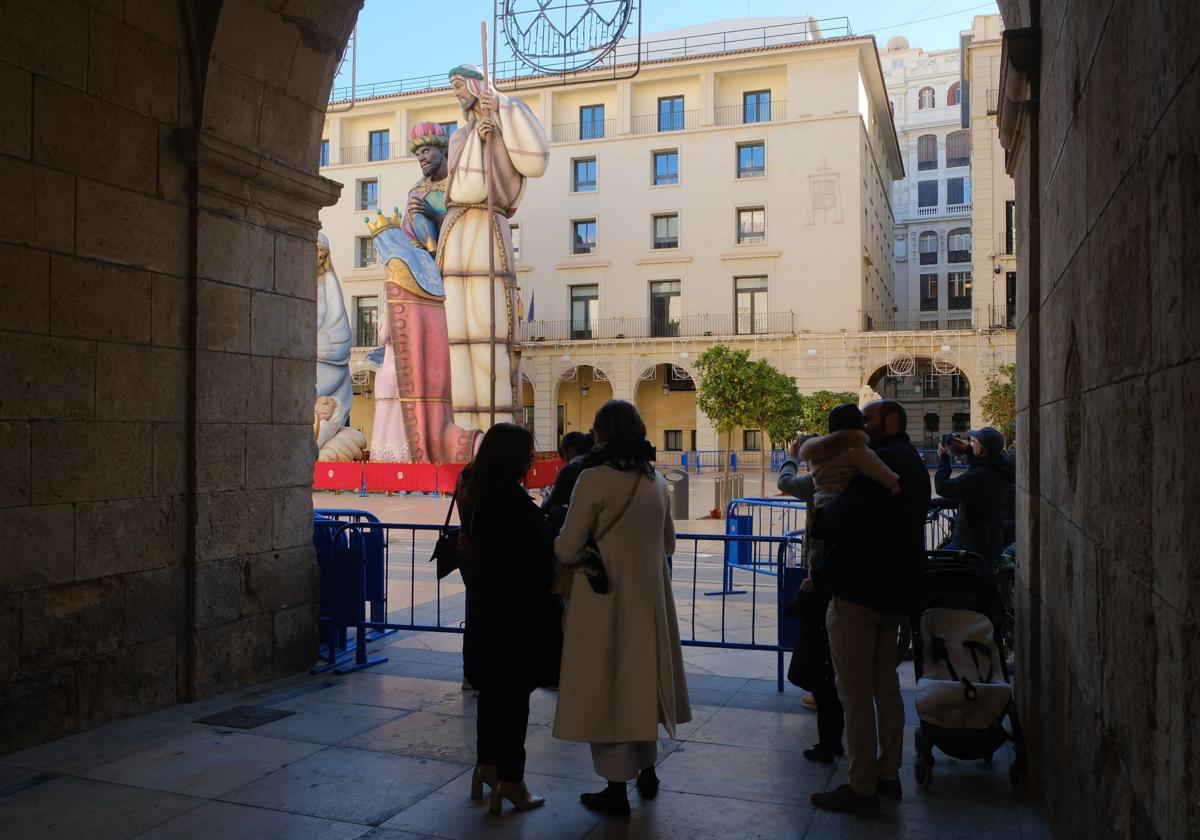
[
  {"x": 158, "y": 206},
  {"x": 1107, "y": 162}
]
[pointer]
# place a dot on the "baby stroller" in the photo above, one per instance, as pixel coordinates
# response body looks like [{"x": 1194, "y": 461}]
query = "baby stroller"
[{"x": 964, "y": 692}]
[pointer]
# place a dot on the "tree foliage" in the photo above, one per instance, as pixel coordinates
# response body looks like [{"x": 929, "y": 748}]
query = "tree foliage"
[
  {"x": 721, "y": 392},
  {"x": 999, "y": 400},
  {"x": 814, "y": 418}
]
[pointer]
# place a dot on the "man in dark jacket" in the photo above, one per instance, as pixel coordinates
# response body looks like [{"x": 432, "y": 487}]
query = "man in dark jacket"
[
  {"x": 984, "y": 493},
  {"x": 875, "y": 563},
  {"x": 573, "y": 449}
]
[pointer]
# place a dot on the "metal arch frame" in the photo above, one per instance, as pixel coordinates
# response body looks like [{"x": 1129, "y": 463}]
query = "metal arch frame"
[{"x": 502, "y": 14}]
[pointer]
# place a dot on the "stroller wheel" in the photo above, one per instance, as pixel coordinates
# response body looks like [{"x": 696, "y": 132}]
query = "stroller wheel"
[{"x": 923, "y": 773}]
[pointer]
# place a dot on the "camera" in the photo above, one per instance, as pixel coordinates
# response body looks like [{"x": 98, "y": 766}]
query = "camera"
[{"x": 953, "y": 440}]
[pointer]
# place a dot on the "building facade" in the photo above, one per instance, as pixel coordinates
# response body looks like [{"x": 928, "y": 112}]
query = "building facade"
[{"x": 723, "y": 195}]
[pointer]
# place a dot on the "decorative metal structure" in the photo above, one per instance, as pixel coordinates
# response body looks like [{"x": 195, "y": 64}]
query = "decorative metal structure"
[{"x": 566, "y": 37}]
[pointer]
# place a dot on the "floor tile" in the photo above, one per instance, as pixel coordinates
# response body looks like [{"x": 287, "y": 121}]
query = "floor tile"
[
  {"x": 350, "y": 785},
  {"x": 206, "y": 762},
  {"x": 71, "y": 809},
  {"x": 895, "y": 823},
  {"x": 764, "y": 729},
  {"x": 423, "y": 734},
  {"x": 224, "y": 821},
  {"x": 393, "y": 834},
  {"x": 741, "y": 773},
  {"x": 450, "y": 813},
  {"x": 672, "y": 816},
  {"x": 98, "y": 746},
  {"x": 396, "y": 692}
]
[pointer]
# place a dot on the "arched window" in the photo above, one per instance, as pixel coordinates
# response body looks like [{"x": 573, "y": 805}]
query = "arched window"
[
  {"x": 925, "y": 98},
  {"x": 928, "y": 247},
  {"x": 954, "y": 95},
  {"x": 958, "y": 148},
  {"x": 927, "y": 154},
  {"x": 958, "y": 245}
]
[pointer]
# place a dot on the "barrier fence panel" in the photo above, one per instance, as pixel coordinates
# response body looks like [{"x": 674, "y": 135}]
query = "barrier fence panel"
[{"x": 415, "y": 600}]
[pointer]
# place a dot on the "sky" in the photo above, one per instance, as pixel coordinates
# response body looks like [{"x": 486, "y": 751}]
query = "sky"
[{"x": 400, "y": 39}]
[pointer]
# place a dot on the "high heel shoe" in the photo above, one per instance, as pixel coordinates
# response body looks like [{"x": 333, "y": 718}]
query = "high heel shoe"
[
  {"x": 517, "y": 794},
  {"x": 484, "y": 773}
]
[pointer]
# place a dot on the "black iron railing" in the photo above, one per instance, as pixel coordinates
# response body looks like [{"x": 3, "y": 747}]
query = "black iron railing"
[{"x": 686, "y": 326}]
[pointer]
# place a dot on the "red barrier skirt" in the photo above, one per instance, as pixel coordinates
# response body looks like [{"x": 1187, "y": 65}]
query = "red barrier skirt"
[
  {"x": 337, "y": 475},
  {"x": 387, "y": 476},
  {"x": 542, "y": 474}
]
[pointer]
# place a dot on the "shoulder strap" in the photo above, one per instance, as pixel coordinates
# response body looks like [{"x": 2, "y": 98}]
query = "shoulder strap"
[
  {"x": 637, "y": 480},
  {"x": 453, "y": 501}
]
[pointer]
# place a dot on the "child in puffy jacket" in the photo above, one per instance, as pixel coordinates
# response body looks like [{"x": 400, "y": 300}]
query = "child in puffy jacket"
[{"x": 836, "y": 458}]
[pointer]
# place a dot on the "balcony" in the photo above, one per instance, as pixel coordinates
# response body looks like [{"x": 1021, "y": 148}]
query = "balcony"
[
  {"x": 775, "y": 111},
  {"x": 687, "y": 326},
  {"x": 576, "y": 132},
  {"x": 957, "y": 316},
  {"x": 665, "y": 123},
  {"x": 956, "y": 209},
  {"x": 927, "y": 211},
  {"x": 365, "y": 154}
]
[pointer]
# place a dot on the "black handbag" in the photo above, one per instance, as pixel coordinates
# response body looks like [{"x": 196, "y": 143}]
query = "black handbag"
[{"x": 452, "y": 545}]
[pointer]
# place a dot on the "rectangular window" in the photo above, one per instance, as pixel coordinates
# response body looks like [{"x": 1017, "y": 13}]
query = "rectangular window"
[
  {"x": 583, "y": 175},
  {"x": 516, "y": 240},
  {"x": 324, "y": 153},
  {"x": 366, "y": 324},
  {"x": 665, "y": 308},
  {"x": 666, "y": 167},
  {"x": 927, "y": 193},
  {"x": 958, "y": 246},
  {"x": 929, "y": 292},
  {"x": 583, "y": 236},
  {"x": 751, "y": 225},
  {"x": 666, "y": 230},
  {"x": 673, "y": 440},
  {"x": 958, "y": 285},
  {"x": 368, "y": 194},
  {"x": 752, "y": 440},
  {"x": 365, "y": 252},
  {"x": 591, "y": 122},
  {"x": 670, "y": 113},
  {"x": 750, "y": 304},
  {"x": 751, "y": 160},
  {"x": 927, "y": 244},
  {"x": 380, "y": 145},
  {"x": 958, "y": 191},
  {"x": 1010, "y": 227},
  {"x": 959, "y": 385},
  {"x": 585, "y": 307},
  {"x": 1010, "y": 300},
  {"x": 449, "y": 127},
  {"x": 756, "y": 106},
  {"x": 932, "y": 385}
]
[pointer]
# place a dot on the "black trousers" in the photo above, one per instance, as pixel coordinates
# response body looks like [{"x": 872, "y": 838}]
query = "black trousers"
[
  {"x": 831, "y": 720},
  {"x": 500, "y": 733}
]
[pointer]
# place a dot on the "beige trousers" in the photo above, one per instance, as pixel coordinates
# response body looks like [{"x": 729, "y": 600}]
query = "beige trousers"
[{"x": 863, "y": 642}]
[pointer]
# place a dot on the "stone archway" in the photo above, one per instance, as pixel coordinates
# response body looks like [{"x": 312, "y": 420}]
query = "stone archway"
[
  {"x": 936, "y": 398},
  {"x": 578, "y": 393},
  {"x": 665, "y": 396},
  {"x": 163, "y": 469}
]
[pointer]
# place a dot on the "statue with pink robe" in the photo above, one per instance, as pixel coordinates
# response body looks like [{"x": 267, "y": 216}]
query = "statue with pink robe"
[{"x": 414, "y": 417}]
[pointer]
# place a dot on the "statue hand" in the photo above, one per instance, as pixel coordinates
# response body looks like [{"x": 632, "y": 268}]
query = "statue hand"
[
  {"x": 488, "y": 102},
  {"x": 484, "y": 128},
  {"x": 416, "y": 206}
]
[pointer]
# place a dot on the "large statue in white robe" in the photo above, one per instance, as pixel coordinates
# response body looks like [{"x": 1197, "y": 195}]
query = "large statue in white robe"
[
  {"x": 335, "y": 440},
  {"x": 481, "y": 315}
]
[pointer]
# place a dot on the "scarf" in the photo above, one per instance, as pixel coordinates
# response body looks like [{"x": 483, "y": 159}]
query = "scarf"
[{"x": 622, "y": 456}]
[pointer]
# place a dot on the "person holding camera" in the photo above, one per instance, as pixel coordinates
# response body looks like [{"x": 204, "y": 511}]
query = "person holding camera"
[
  {"x": 573, "y": 450},
  {"x": 984, "y": 492}
]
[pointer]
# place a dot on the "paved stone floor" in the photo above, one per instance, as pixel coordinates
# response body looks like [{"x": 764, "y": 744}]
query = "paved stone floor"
[{"x": 386, "y": 754}]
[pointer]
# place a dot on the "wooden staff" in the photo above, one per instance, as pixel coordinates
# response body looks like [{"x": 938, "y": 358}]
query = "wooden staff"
[{"x": 487, "y": 177}]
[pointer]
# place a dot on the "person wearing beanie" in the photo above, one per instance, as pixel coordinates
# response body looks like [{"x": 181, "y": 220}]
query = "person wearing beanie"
[{"x": 983, "y": 493}]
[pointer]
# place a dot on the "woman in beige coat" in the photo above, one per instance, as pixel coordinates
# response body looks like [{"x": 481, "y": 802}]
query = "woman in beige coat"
[{"x": 622, "y": 666}]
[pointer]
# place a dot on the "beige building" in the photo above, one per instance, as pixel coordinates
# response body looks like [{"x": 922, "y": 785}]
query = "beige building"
[
  {"x": 736, "y": 194},
  {"x": 993, "y": 209}
]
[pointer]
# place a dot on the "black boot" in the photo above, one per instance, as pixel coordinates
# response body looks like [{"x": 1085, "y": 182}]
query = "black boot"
[
  {"x": 647, "y": 783},
  {"x": 611, "y": 800}
]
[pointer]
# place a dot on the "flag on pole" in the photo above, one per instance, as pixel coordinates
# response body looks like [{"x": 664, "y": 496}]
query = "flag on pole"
[{"x": 532, "y": 296}]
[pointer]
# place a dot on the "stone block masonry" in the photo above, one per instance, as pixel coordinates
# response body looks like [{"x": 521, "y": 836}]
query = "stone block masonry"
[{"x": 157, "y": 310}]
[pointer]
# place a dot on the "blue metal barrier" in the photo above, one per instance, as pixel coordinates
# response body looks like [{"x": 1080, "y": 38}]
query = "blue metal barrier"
[
  {"x": 773, "y": 517},
  {"x": 374, "y": 582},
  {"x": 441, "y": 607}
]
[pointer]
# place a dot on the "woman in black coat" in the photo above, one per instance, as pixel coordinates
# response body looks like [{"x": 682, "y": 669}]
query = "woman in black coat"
[{"x": 513, "y": 622}]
